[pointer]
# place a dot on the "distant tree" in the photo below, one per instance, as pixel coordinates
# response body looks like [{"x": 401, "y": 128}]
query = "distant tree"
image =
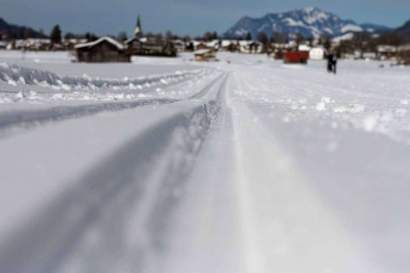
[
  {"x": 346, "y": 47},
  {"x": 90, "y": 37},
  {"x": 300, "y": 39},
  {"x": 248, "y": 36},
  {"x": 187, "y": 38},
  {"x": 122, "y": 36},
  {"x": 404, "y": 57},
  {"x": 170, "y": 36},
  {"x": 11, "y": 36},
  {"x": 361, "y": 41},
  {"x": 390, "y": 38},
  {"x": 310, "y": 41},
  {"x": 20, "y": 33},
  {"x": 28, "y": 33},
  {"x": 55, "y": 35},
  {"x": 69, "y": 35},
  {"x": 263, "y": 38},
  {"x": 190, "y": 46},
  {"x": 41, "y": 31},
  {"x": 326, "y": 42},
  {"x": 209, "y": 36},
  {"x": 159, "y": 36},
  {"x": 278, "y": 37}
]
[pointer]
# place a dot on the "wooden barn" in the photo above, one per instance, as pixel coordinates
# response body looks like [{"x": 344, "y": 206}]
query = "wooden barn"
[
  {"x": 103, "y": 50},
  {"x": 205, "y": 55},
  {"x": 403, "y": 55}
]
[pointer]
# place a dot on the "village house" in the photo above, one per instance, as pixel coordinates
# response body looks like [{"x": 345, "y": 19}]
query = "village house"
[
  {"x": 70, "y": 44},
  {"x": 230, "y": 45},
  {"x": 251, "y": 47},
  {"x": 205, "y": 55},
  {"x": 151, "y": 47},
  {"x": 403, "y": 54},
  {"x": 199, "y": 45},
  {"x": 369, "y": 55},
  {"x": 31, "y": 44},
  {"x": 3, "y": 45},
  {"x": 317, "y": 53},
  {"x": 179, "y": 45},
  {"x": 296, "y": 57},
  {"x": 102, "y": 50},
  {"x": 215, "y": 44},
  {"x": 279, "y": 49},
  {"x": 385, "y": 52}
]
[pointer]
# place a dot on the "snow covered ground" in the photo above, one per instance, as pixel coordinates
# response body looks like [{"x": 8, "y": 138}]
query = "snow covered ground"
[{"x": 240, "y": 166}]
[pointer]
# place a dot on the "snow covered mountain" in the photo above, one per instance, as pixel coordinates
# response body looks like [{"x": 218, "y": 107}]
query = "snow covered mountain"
[
  {"x": 404, "y": 31},
  {"x": 19, "y": 32},
  {"x": 309, "y": 22}
]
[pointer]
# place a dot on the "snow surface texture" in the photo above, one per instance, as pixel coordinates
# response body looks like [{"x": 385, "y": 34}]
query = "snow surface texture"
[{"x": 251, "y": 166}]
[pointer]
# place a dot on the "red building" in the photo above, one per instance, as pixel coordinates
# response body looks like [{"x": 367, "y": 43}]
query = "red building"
[{"x": 296, "y": 57}]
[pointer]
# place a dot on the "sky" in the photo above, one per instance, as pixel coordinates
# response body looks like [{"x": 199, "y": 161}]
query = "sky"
[{"x": 192, "y": 17}]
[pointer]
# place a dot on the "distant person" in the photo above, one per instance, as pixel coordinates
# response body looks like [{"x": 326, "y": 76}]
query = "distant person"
[
  {"x": 331, "y": 62},
  {"x": 334, "y": 62}
]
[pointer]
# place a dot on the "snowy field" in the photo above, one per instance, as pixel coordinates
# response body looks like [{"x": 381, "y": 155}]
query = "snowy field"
[{"x": 245, "y": 165}]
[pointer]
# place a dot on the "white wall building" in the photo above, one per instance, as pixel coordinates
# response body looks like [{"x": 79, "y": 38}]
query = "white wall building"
[{"x": 317, "y": 53}]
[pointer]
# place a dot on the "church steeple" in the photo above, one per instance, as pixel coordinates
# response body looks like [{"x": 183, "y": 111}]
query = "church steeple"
[{"x": 138, "y": 28}]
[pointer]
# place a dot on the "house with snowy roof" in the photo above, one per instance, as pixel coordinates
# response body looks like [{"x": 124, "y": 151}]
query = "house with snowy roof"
[
  {"x": 199, "y": 45},
  {"x": 3, "y": 45},
  {"x": 151, "y": 45},
  {"x": 214, "y": 44},
  {"x": 403, "y": 54},
  {"x": 385, "y": 52},
  {"x": 205, "y": 55},
  {"x": 251, "y": 47},
  {"x": 103, "y": 50},
  {"x": 230, "y": 45}
]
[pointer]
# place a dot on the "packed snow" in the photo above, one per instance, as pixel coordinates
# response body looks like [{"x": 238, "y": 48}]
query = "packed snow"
[{"x": 239, "y": 166}]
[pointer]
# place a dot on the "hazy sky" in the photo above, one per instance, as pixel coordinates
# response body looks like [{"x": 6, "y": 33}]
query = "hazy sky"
[{"x": 183, "y": 16}]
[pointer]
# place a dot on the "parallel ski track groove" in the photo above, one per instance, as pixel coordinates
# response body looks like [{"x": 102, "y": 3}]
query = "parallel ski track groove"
[
  {"x": 28, "y": 119},
  {"x": 61, "y": 226}
]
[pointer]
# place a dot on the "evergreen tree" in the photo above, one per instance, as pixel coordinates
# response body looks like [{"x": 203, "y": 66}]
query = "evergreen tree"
[
  {"x": 122, "y": 36},
  {"x": 263, "y": 38},
  {"x": 28, "y": 33},
  {"x": 56, "y": 35},
  {"x": 210, "y": 36},
  {"x": 169, "y": 35},
  {"x": 69, "y": 35}
]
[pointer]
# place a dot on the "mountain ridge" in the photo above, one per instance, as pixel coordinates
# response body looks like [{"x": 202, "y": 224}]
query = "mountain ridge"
[
  {"x": 309, "y": 22},
  {"x": 17, "y": 31}
]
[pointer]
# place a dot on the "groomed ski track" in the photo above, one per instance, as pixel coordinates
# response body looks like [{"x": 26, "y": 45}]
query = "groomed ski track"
[{"x": 215, "y": 181}]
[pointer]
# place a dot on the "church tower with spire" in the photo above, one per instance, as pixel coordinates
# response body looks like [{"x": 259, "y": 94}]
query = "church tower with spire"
[{"x": 138, "y": 28}]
